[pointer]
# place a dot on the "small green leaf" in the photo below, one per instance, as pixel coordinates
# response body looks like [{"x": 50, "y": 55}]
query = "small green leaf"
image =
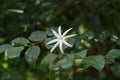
[
  {"x": 47, "y": 60},
  {"x": 37, "y": 36},
  {"x": 81, "y": 54},
  {"x": 97, "y": 62},
  {"x": 111, "y": 55},
  {"x": 31, "y": 55},
  {"x": 65, "y": 63},
  {"x": 4, "y": 47},
  {"x": 14, "y": 52},
  {"x": 19, "y": 41}
]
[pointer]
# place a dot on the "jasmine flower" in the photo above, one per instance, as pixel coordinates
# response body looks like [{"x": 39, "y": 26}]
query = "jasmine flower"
[{"x": 60, "y": 39}]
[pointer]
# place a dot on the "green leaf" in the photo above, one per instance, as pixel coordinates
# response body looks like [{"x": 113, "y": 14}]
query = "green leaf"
[
  {"x": 37, "y": 36},
  {"x": 31, "y": 55},
  {"x": 4, "y": 47},
  {"x": 102, "y": 37},
  {"x": 14, "y": 52},
  {"x": 81, "y": 54},
  {"x": 20, "y": 41},
  {"x": 87, "y": 35},
  {"x": 97, "y": 62},
  {"x": 47, "y": 60},
  {"x": 111, "y": 55},
  {"x": 116, "y": 69},
  {"x": 65, "y": 63},
  {"x": 118, "y": 41}
]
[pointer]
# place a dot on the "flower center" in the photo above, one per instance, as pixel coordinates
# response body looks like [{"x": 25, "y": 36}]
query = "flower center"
[{"x": 60, "y": 37}]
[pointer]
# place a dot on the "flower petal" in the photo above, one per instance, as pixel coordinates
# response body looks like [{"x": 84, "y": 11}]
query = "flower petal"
[
  {"x": 53, "y": 48},
  {"x": 67, "y": 44},
  {"x": 66, "y": 32},
  {"x": 52, "y": 41},
  {"x": 60, "y": 46},
  {"x": 59, "y": 30},
  {"x": 69, "y": 36},
  {"x": 55, "y": 33}
]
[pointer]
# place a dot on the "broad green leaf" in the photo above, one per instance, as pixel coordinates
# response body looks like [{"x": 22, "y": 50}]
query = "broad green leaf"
[
  {"x": 65, "y": 63},
  {"x": 31, "y": 55},
  {"x": 111, "y": 55},
  {"x": 14, "y": 52},
  {"x": 115, "y": 69},
  {"x": 4, "y": 47},
  {"x": 81, "y": 54},
  {"x": 20, "y": 41},
  {"x": 97, "y": 62},
  {"x": 37, "y": 36},
  {"x": 47, "y": 60}
]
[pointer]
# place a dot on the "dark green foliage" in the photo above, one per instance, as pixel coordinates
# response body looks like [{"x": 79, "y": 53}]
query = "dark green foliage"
[{"x": 25, "y": 29}]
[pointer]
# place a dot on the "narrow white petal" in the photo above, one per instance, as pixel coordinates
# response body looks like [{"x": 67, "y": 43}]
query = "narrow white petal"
[
  {"x": 52, "y": 41},
  {"x": 59, "y": 30},
  {"x": 53, "y": 48},
  {"x": 55, "y": 33},
  {"x": 67, "y": 44},
  {"x": 69, "y": 36},
  {"x": 17, "y": 11},
  {"x": 66, "y": 32},
  {"x": 60, "y": 46}
]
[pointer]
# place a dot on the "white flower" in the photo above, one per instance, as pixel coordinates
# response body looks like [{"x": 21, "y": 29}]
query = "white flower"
[{"x": 60, "y": 39}]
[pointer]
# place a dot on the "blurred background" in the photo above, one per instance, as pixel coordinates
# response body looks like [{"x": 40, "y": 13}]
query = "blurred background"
[{"x": 100, "y": 18}]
